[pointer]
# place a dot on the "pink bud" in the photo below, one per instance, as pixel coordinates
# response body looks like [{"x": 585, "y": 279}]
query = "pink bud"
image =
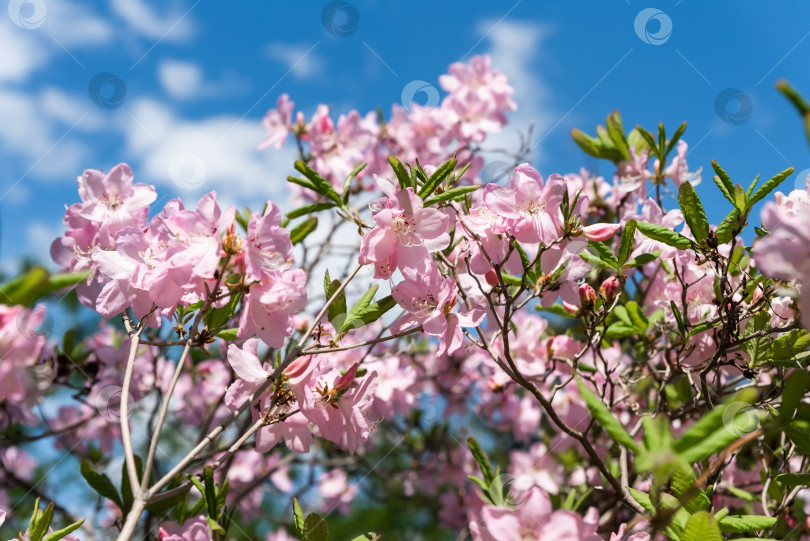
[
  {"x": 570, "y": 308},
  {"x": 344, "y": 381},
  {"x": 491, "y": 277},
  {"x": 587, "y": 296},
  {"x": 600, "y": 232},
  {"x": 610, "y": 288}
]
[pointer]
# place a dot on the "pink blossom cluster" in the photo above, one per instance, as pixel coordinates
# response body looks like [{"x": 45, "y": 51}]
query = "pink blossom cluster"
[
  {"x": 22, "y": 376},
  {"x": 478, "y": 98}
]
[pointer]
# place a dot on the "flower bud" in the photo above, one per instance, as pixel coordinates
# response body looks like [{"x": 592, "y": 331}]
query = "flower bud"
[
  {"x": 587, "y": 296},
  {"x": 610, "y": 288},
  {"x": 491, "y": 277},
  {"x": 600, "y": 232}
]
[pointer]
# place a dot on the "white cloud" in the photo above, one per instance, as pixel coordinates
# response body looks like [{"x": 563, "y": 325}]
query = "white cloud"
[
  {"x": 71, "y": 23},
  {"x": 515, "y": 48},
  {"x": 301, "y": 59},
  {"x": 181, "y": 80},
  {"x": 195, "y": 156},
  {"x": 171, "y": 25},
  {"x": 21, "y": 53}
]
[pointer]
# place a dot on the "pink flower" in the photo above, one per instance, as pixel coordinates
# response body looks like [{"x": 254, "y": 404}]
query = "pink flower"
[
  {"x": 269, "y": 307},
  {"x": 600, "y": 232},
  {"x": 268, "y": 246},
  {"x": 652, "y": 213},
  {"x": 534, "y": 519},
  {"x": 295, "y": 429},
  {"x": 678, "y": 170},
  {"x": 429, "y": 301},
  {"x": 405, "y": 235},
  {"x": 278, "y": 122},
  {"x": 532, "y": 208},
  {"x": 338, "y": 405},
  {"x": 195, "y": 529}
]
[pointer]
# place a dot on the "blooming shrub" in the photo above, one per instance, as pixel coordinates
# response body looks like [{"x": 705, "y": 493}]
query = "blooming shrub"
[{"x": 559, "y": 357}]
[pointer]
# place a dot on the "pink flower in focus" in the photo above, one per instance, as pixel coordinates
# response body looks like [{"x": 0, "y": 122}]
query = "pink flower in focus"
[
  {"x": 338, "y": 405},
  {"x": 405, "y": 235},
  {"x": 269, "y": 307},
  {"x": 600, "y": 232},
  {"x": 531, "y": 207},
  {"x": 268, "y": 246},
  {"x": 429, "y": 301}
]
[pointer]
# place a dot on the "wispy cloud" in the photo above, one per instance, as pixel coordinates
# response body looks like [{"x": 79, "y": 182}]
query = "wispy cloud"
[{"x": 298, "y": 58}]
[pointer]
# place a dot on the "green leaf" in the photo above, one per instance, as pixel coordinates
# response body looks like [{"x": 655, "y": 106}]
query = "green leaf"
[
  {"x": 626, "y": 246},
  {"x": 365, "y": 311},
  {"x": 41, "y": 523},
  {"x": 649, "y": 139},
  {"x": 338, "y": 307},
  {"x": 227, "y": 334},
  {"x": 127, "y": 498},
  {"x": 298, "y": 518},
  {"x": 693, "y": 211},
  {"x": 642, "y": 259},
  {"x": 702, "y": 526},
  {"x": 795, "y": 387},
  {"x": 768, "y": 187},
  {"x": 682, "y": 482},
  {"x": 315, "y": 528},
  {"x": 675, "y": 138},
  {"x": 35, "y": 283},
  {"x": 789, "y": 345},
  {"x": 369, "y": 536},
  {"x": 444, "y": 170},
  {"x": 590, "y": 145},
  {"x": 799, "y": 437},
  {"x": 301, "y": 182},
  {"x": 605, "y": 254},
  {"x": 309, "y": 209},
  {"x": 605, "y": 418},
  {"x": 101, "y": 484},
  {"x": 481, "y": 458},
  {"x": 719, "y": 428},
  {"x": 757, "y": 348},
  {"x": 216, "y": 318},
  {"x": 665, "y": 235},
  {"x": 215, "y": 526},
  {"x": 616, "y": 132},
  {"x": 322, "y": 185},
  {"x": 724, "y": 179},
  {"x": 451, "y": 194},
  {"x": 794, "y": 479},
  {"x": 678, "y": 317},
  {"x": 729, "y": 227},
  {"x": 63, "y": 532},
  {"x": 400, "y": 172},
  {"x": 303, "y": 229},
  {"x": 347, "y": 184},
  {"x": 746, "y": 523},
  {"x": 724, "y": 190},
  {"x": 657, "y": 432}
]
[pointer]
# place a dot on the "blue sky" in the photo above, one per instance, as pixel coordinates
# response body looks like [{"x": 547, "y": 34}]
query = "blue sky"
[{"x": 199, "y": 75}]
